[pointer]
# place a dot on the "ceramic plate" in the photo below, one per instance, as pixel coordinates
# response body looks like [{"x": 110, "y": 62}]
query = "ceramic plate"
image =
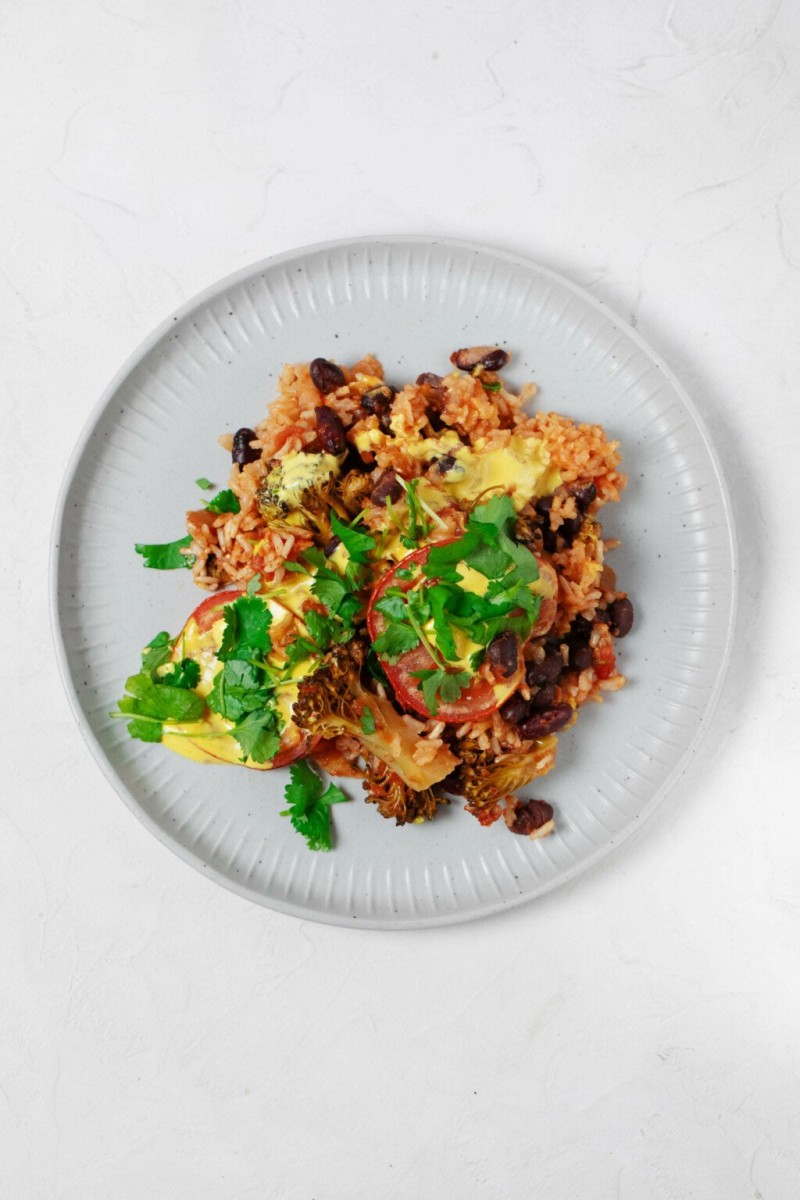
[{"x": 212, "y": 367}]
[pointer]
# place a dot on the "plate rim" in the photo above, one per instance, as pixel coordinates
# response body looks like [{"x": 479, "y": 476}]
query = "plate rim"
[{"x": 140, "y": 351}]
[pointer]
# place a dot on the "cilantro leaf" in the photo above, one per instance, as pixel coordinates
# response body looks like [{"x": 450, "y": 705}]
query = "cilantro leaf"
[
  {"x": 440, "y": 684},
  {"x": 157, "y": 652},
  {"x": 247, "y": 623},
  {"x": 440, "y": 598},
  {"x": 254, "y": 585},
  {"x": 183, "y": 674},
  {"x": 204, "y": 483},
  {"x": 257, "y": 735},
  {"x": 357, "y": 544},
  {"x": 497, "y": 511},
  {"x": 329, "y": 589},
  {"x": 367, "y": 721},
  {"x": 146, "y": 730},
  {"x": 309, "y": 805},
  {"x": 288, "y": 565},
  {"x": 166, "y": 556},
  {"x": 298, "y": 651},
  {"x": 490, "y": 561},
  {"x": 393, "y": 605},
  {"x": 238, "y": 689},
  {"x": 149, "y": 698},
  {"x": 395, "y": 640},
  {"x": 224, "y": 502}
]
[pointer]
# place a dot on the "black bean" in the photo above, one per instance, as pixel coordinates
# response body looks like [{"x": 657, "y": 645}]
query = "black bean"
[
  {"x": 241, "y": 451},
  {"x": 549, "y": 540},
  {"x": 547, "y": 671},
  {"x": 583, "y": 494},
  {"x": 385, "y": 421},
  {"x": 378, "y": 399},
  {"x": 445, "y": 463},
  {"x": 530, "y": 815},
  {"x": 549, "y": 721},
  {"x": 332, "y": 546},
  {"x": 326, "y": 376},
  {"x": 569, "y": 528},
  {"x": 621, "y": 612},
  {"x": 545, "y": 697},
  {"x": 580, "y": 629},
  {"x": 492, "y": 358},
  {"x": 543, "y": 505},
  {"x": 515, "y": 710},
  {"x": 580, "y": 657},
  {"x": 388, "y": 487},
  {"x": 429, "y": 378},
  {"x": 330, "y": 431},
  {"x": 503, "y": 654},
  {"x": 434, "y": 420}
]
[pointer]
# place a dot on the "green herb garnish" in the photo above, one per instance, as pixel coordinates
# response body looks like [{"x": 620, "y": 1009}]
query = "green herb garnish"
[
  {"x": 166, "y": 556},
  {"x": 204, "y": 483},
  {"x": 309, "y": 805},
  {"x": 224, "y": 502}
]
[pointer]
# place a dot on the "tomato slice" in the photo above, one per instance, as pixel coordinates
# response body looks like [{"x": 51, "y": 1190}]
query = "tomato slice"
[
  {"x": 294, "y": 741},
  {"x": 484, "y": 696}
]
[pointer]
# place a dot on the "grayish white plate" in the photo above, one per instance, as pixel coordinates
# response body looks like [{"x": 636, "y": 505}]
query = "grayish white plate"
[{"x": 212, "y": 367}]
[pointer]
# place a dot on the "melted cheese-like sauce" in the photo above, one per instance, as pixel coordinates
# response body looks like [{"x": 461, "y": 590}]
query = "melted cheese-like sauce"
[
  {"x": 191, "y": 740},
  {"x": 521, "y": 468}
]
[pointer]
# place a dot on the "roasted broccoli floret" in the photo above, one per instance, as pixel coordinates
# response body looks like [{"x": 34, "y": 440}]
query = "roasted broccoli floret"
[
  {"x": 306, "y": 484},
  {"x": 396, "y": 799},
  {"x": 485, "y": 779},
  {"x": 355, "y": 489},
  {"x": 333, "y": 701}
]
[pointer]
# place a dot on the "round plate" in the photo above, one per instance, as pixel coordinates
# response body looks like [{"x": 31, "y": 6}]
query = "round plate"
[{"x": 212, "y": 367}]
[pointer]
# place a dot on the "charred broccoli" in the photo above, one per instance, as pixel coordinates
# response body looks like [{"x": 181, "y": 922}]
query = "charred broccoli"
[
  {"x": 395, "y": 799},
  {"x": 485, "y": 780},
  {"x": 333, "y": 701},
  {"x": 309, "y": 484}
]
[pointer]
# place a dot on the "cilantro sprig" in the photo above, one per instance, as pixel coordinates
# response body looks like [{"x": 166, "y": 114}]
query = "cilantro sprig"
[
  {"x": 310, "y": 804},
  {"x": 166, "y": 556},
  {"x": 152, "y": 700},
  {"x": 437, "y": 605}
]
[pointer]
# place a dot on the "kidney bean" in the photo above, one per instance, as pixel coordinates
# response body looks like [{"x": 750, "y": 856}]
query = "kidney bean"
[
  {"x": 388, "y": 487},
  {"x": 445, "y": 463},
  {"x": 429, "y": 378},
  {"x": 583, "y": 494},
  {"x": 503, "y": 654},
  {"x": 332, "y": 546},
  {"x": 545, "y": 696},
  {"x": 550, "y": 720},
  {"x": 602, "y": 616},
  {"x": 326, "y": 376},
  {"x": 378, "y": 399},
  {"x": 330, "y": 431},
  {"x": 621, "y": 612},
  {"x": 530, "y": 815},
  {"x": 543, "y": 505},
  {"x": 515, "y": 710},
  {"x": 241, "y": 450},
  {"x": 492, "y": 358},
  {"x": 547, "y": 671}
]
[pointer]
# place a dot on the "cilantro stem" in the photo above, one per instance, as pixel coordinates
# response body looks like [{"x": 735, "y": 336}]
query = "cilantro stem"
[
  {"x": 423, "y": 637},
  {"x": 166, "y": 721}
]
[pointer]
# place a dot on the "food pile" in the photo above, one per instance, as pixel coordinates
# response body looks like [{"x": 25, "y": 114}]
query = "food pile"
[{"x": 408, "y": 587}]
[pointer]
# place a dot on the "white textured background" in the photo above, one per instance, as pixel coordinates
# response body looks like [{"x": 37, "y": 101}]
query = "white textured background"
[{"x": 634, "y": 1035}]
